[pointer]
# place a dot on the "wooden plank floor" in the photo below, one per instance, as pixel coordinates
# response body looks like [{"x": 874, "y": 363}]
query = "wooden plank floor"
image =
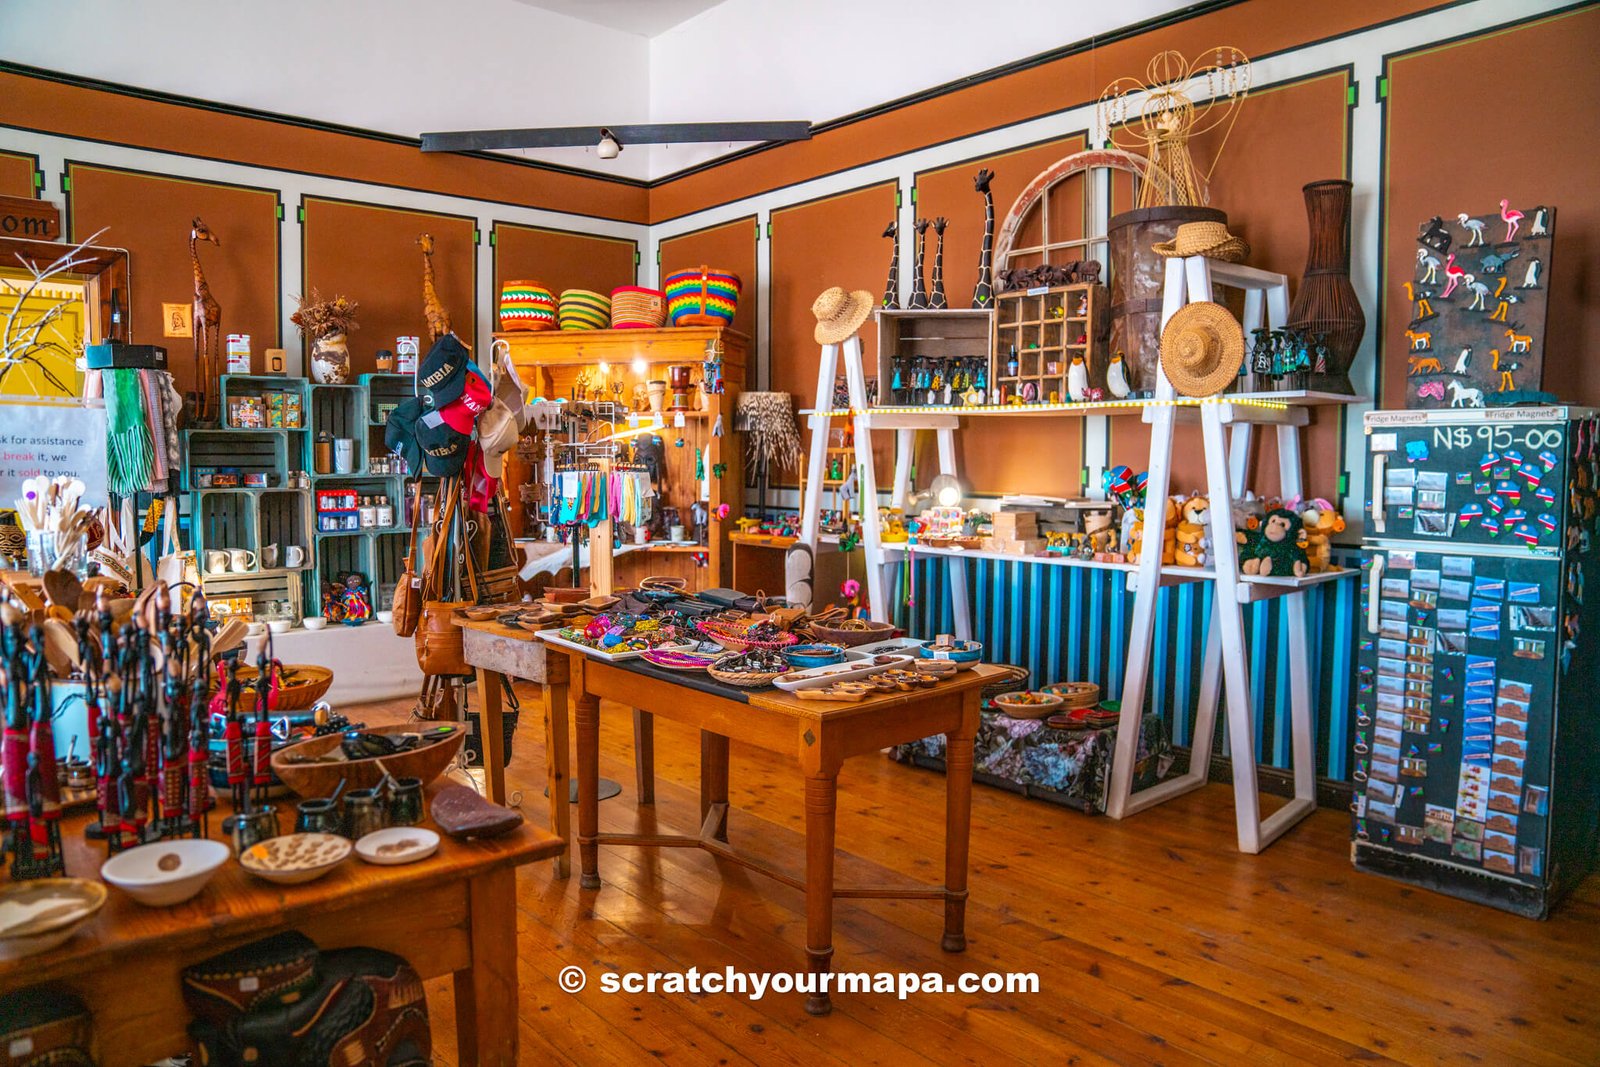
[{"x": 1155, "y": 941}]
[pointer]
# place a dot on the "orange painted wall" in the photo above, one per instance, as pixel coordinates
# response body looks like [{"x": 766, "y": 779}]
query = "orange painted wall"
[
  {"x": 560, "y": 259},
  {"x": 730, "y": 246},
  {"x": 1534, "y": 146},
  {"x": 16, "y": 174},
  {"x": 151, "y": 215},
  {"x": 369, "y": 253}
]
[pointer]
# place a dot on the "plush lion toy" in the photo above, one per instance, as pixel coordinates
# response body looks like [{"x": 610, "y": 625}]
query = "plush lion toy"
[
  {"x": 1192, "y": 543},
  {"x": 1322, "y": 521},
  {"x": 1274, "y": 549}
]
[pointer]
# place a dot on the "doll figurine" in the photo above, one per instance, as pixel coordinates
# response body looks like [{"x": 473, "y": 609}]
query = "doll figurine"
[
  {"x": 1274, "y": 550},
  {"x": 355, "y": 600}
]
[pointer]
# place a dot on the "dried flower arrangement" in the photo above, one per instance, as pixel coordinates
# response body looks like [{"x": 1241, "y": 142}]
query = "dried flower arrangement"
[{"x": 319, "y": 318}]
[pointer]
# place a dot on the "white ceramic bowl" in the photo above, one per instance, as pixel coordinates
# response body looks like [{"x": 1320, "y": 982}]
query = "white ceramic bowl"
[
  {"x": 36, "y": 916},
  {"x": 386, "y": 616},
  {"x": 280, "y": 626},
  {"x": 137, "y": 872},
  {"x": 313, "y": 622},
  {"x": 389, "y": 848},
  {"x": 323, "y": 852}
]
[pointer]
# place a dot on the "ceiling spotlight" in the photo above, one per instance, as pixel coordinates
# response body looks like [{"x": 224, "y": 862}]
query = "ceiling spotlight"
[{"x": 608, "y": 146}]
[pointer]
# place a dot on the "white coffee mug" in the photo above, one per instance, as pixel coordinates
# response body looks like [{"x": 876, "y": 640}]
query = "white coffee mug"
[
  {"x": 294, "y": 556},
  {"x": 269, "y": 557},
  {"x": 675, "y": 533},
  {"x": 241, "y": 559},
  {"x": 216, "y": 561}
]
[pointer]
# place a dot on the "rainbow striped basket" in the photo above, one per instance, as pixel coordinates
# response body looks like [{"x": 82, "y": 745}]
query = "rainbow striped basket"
[
  {"x": 702, "y": 297},
  {"x": 584, "y": 309},
  {"x": 527, "y": 305},
  {"x": 636, "y": 308}
]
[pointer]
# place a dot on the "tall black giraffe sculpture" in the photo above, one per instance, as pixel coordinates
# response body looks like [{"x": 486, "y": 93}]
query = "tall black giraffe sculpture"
[
  {"x": 983, "y": 295},
  {"x": 937, "y": 300},
  {"x": 891, "y": 289},
  {"x": 919, "y": 288}
]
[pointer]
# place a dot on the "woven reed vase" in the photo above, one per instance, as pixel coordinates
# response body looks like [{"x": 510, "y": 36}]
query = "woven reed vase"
[{"x": 1326, "y": 301}]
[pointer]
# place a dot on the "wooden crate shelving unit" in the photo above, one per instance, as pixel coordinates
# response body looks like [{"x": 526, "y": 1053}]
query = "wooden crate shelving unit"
[
  {"x": 1046, "y": 342},
  {"x": 550, "y": 361},
  {"x": 947, "y": 333}
]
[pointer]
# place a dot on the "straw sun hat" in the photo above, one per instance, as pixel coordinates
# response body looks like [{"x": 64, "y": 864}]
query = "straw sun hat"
[
  {"x": 840, "y": 313},
  {"x": 1202, "y": 349},
  {"x": 1210, "y": 239}
]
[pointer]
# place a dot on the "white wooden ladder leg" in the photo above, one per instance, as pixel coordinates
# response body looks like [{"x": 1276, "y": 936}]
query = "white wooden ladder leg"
[
  {"x": 871, "y": 528},
  {"x": 960, "y": 607}
]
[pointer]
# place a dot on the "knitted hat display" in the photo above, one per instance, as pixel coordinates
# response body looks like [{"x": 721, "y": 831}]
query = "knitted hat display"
[
  {"x": 702, "y": 297},
  {"x": 583, "y": 309},
  {"x": 526, "y": 305},
  {"x": 636, "y": 308}
]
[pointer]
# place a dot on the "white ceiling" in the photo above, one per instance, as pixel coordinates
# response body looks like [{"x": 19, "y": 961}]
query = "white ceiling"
[
  {"x": 413, "y": 66},
  {"x": 643, "y": 17}
]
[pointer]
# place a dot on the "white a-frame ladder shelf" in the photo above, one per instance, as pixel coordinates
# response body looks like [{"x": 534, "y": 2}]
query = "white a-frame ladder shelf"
[
  {"x": 1225, "y": 670},
  {"x": 905, "y": 427}
]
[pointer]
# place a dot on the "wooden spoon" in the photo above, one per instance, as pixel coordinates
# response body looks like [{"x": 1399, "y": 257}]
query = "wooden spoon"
[
  {"x": 62, "y": 587},
  {"x": 60, "y": 648}
]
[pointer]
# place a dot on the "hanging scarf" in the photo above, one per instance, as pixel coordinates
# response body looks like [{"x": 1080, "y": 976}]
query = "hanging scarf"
[{"x": 130, "y": 451}]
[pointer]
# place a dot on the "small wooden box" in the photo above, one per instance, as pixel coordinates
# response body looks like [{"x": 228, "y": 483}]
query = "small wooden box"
[{"x": 1015, "y": 525}]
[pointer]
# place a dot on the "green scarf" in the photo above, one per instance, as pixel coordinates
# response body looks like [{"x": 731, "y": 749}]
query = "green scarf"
[{"x": 130, "y": 450}]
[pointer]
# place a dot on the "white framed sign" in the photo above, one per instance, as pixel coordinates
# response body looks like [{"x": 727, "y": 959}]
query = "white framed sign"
[{"x": 52, "y": 439}]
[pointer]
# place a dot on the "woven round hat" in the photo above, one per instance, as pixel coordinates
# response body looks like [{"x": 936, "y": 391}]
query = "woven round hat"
[
  {"x": 526, "y": 305},
  {"x": 1209, "y": 239},
  {"x": 840, "y": 313},
  {"x": 704, "y": 296},
  {"x": 584, "y": 309},
  {"x": 636, "y": 308},
  {"x": 1202, "y": 349}
]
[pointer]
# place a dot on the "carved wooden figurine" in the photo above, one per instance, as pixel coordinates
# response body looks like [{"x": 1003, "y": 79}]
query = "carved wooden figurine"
[
  {"x": 207, "y": 327},
  {"x": 438, "y": 318},
  {"x": 919, "y": 288},
  {"x": 891, "y": 289},
  {"x": 937, "y": 300},
  {"x": 983, "y": 295}
]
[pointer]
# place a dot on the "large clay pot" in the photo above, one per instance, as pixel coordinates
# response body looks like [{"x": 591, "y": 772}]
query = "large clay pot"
[
  {"x": 1138, "y": 276},
  {"x": 330, "y": 360},
  {"x": 1326, "y": 301}
]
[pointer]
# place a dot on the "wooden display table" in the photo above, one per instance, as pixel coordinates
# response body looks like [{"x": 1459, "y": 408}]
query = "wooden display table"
[
  {"x": 821, "y": 735},
  {"x": 497, "y": 652},
  {"x": 451, "y": 914}
]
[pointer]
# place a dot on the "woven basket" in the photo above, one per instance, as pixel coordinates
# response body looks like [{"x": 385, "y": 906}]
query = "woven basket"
[
  {"x": 745, "y": 681},
  {"x": 1014, "y": 678},
  {"x": 635, "y": 308},
  {"x": 1075, "y": 694},
  {"x": 526, "y": 305},
  {"x": 306, "y": 684},
  {"x": 702, "y": 297},
  {"x": 583, "y": 309},
  {"x": 874, "y": 631},
  {"x": 729, "y": 638}
]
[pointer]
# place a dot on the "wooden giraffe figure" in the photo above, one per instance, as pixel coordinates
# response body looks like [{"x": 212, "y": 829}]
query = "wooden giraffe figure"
[
  {"x": 983, "y": 295},
  {"x": 207, "y": 326},
  {"x": 438, "y": 318},
  {"x": 891, "y": 288},
  {"x": 919, "y": 288},
  {"x": 937, "y": 300}
]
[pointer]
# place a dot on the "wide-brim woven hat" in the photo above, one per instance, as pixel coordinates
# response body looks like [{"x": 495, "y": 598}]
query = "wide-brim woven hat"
[
  {"x": 840, "y": 313},
  {"x": 1209, "y": 239},
  {"x": 1202, "y": 349}
]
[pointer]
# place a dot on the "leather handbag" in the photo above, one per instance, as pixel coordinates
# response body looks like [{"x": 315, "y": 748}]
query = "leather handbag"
[
  {"x": 407, "y": 605},
  {"x": 438, "y": 638}
]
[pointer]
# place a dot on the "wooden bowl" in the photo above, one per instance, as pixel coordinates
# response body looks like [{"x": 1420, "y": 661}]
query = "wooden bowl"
[
  {"x": 1006, "y": 704},
  {"x": 870, "y": 632},
  {"x": 318, "y": 779}
]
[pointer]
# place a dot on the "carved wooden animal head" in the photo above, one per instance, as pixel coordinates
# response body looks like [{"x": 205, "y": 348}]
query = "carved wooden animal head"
[
  {"x": 892, "y": 230},
  {"x": 981, "y": 180},
  {"x": 426, "y": 241},
  {"x": 200, "y": 233},
  {"x": 939, "y": 224},
  {"x": 922, "y": 226},
  {"x": 1089, "y": 271}
]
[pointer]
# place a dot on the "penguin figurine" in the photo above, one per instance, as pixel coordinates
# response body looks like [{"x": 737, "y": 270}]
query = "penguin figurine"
[
  {"x": 1077, "y": 379},
  {"x": 1117, "y": 376}
]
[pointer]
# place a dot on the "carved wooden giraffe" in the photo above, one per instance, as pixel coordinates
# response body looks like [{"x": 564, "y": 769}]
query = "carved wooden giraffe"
[
  {"x": 207, "y": 326},
  {"x": 891, "y": 288},
  {"x": 983, "y": 295},
  {"x": 919, "y": 288},
  {"x": 438, "y": 318},
  {"x": 937, "y": 300}
]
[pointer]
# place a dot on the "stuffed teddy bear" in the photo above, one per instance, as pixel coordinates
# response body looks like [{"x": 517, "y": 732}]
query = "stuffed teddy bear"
[
  {"x": 1274, "y": 550},
  {"x": 1193, "y": 542},
  {"x": 1321, "y": 521}
]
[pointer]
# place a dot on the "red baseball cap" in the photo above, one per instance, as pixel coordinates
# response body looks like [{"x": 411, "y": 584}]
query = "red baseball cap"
[{"x": 462, "y": 412}]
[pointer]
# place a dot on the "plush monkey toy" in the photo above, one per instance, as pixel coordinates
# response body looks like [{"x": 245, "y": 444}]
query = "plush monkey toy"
[{"x": 1274, "y": 549}]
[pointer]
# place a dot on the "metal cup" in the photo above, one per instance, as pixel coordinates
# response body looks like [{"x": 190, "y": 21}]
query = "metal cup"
[
  {"x": 318, "y": 816},
  {"x": 363, "y": 813},
  {"x": 252, "y": 827},
  {"x": 405, "y": 802}
]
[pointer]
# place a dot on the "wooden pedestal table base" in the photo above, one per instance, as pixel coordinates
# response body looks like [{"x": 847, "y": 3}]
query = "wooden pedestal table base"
[
  {"x": 451, "y": 914},
  {"x": 821, "y": 735}
]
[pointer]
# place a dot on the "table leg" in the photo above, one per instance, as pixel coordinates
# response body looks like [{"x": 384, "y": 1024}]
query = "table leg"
[
  {"x": 486, "y": 991},
  {"x": 958, "y": 825},
  {"x": 714, "y": 778},
  {"x": 557, "y": 770},
  {"x": 588, "y": 715},
  {"x": 491, "y": 733},
  {"x": 821, "y": 793},
  {"x": 644, "y": 754}
]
